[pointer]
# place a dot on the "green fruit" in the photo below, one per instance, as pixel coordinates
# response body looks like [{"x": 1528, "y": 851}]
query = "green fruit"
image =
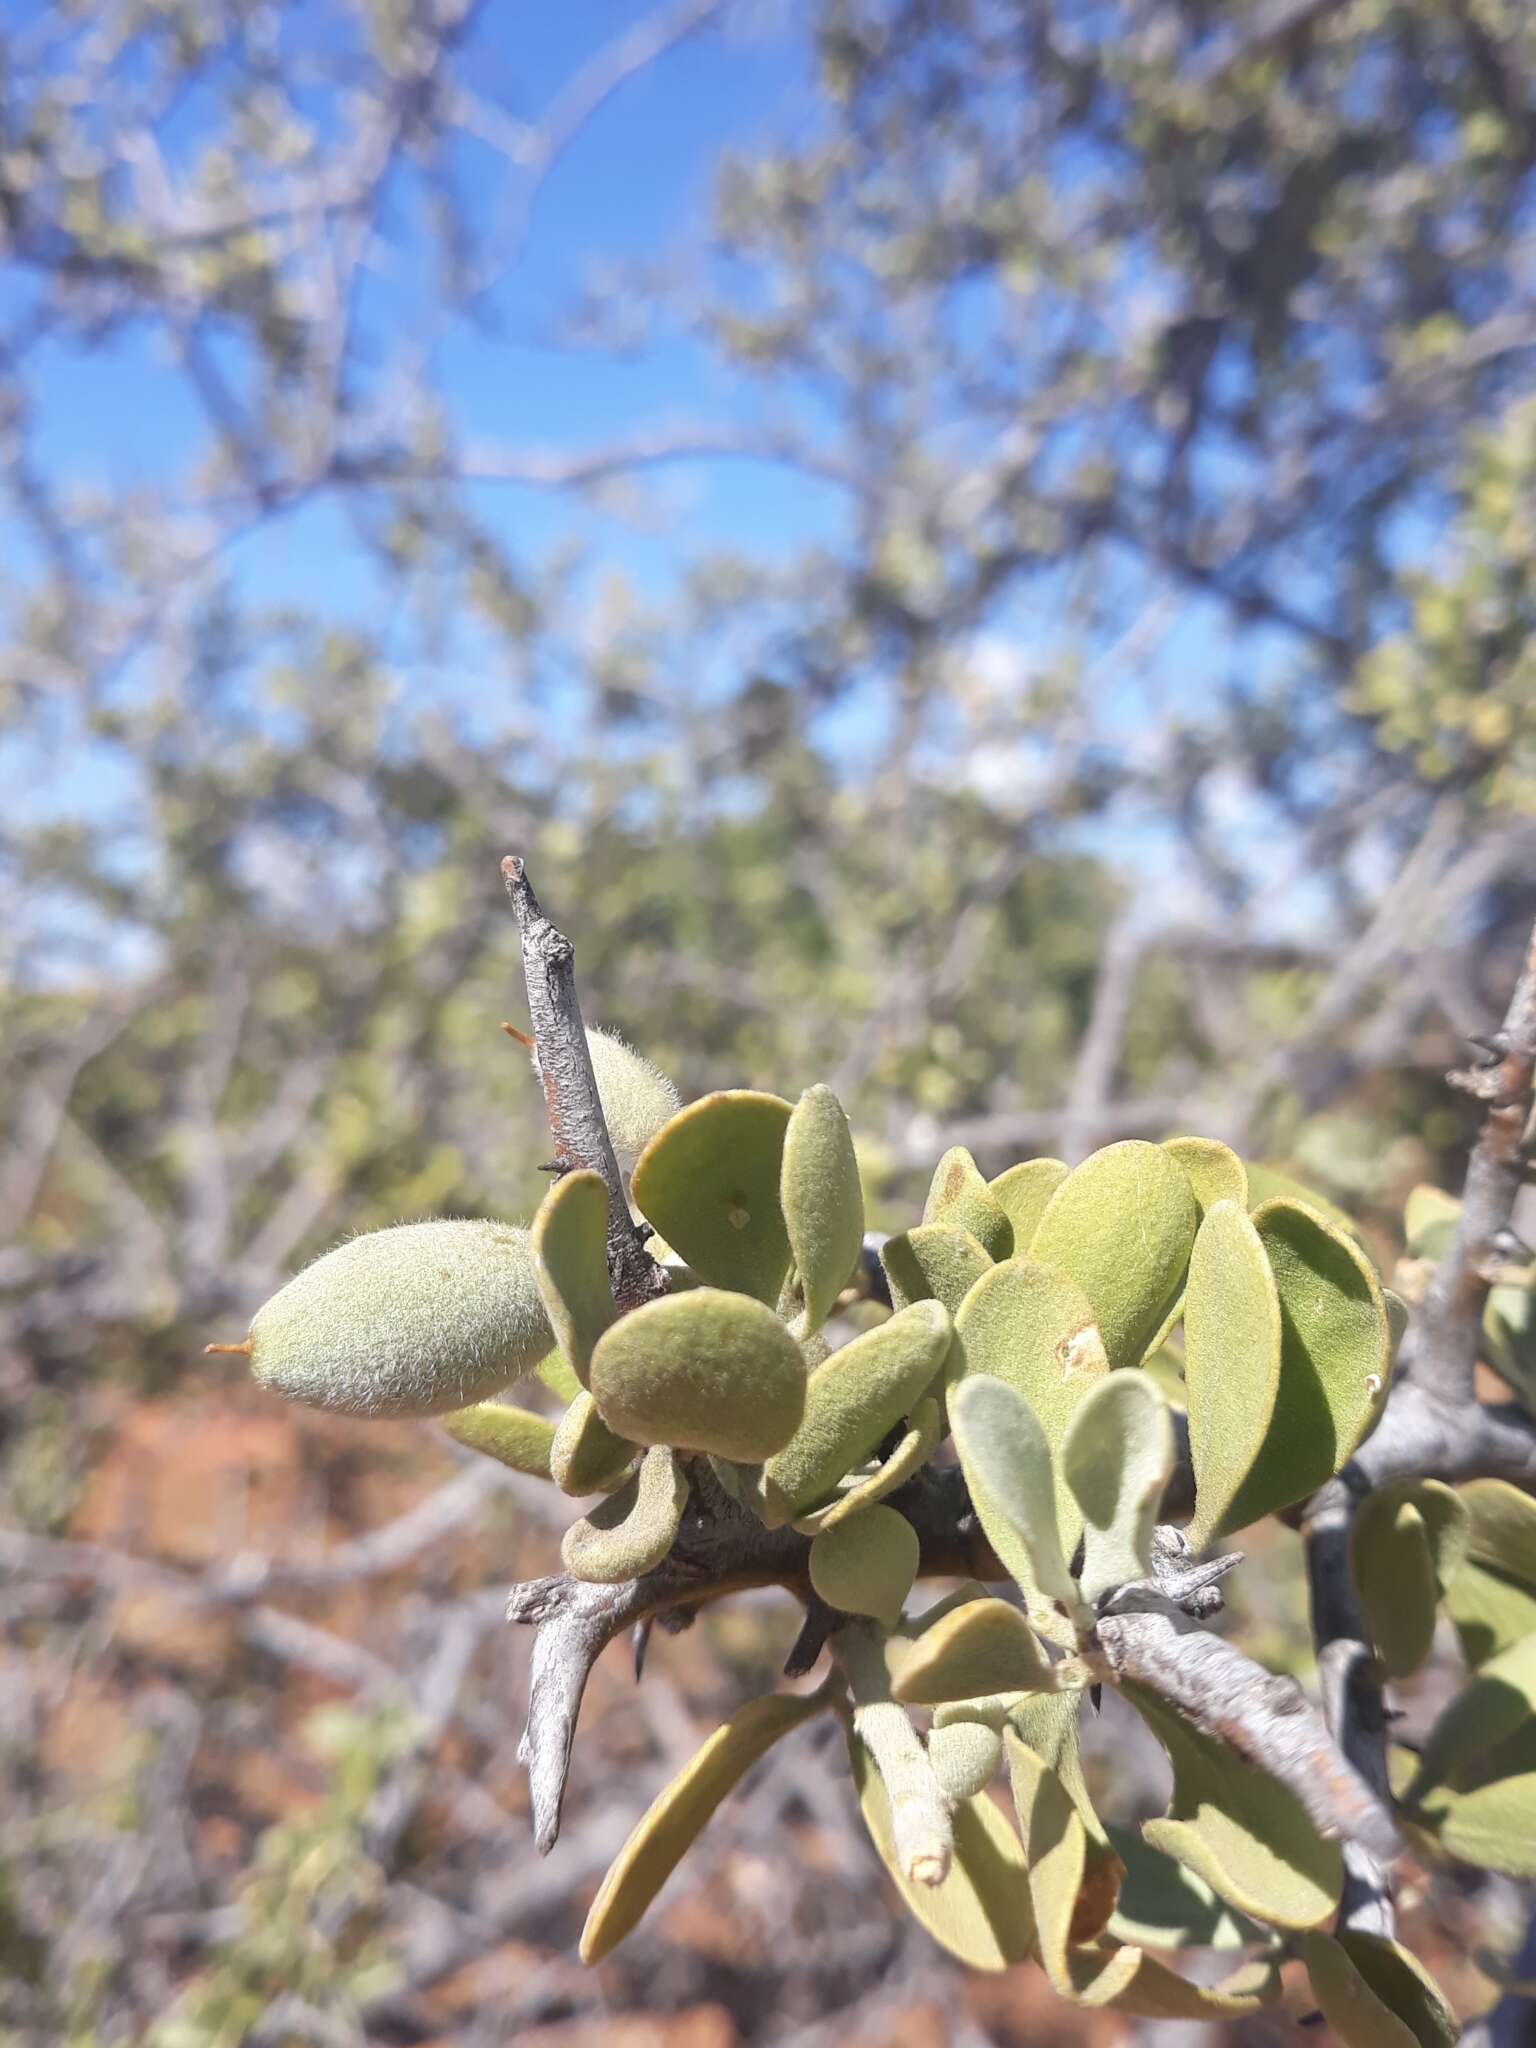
[
  {"x": 702, "y": 1371},
  {"x": 417, "y": 1320}
]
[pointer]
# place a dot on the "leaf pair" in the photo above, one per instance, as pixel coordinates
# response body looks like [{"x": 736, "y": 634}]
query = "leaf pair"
[
  {"x": 1287, "y": 1352},
  {"x": 1114, "y": 1454},
  {"x": 1475, "y": 1787}
]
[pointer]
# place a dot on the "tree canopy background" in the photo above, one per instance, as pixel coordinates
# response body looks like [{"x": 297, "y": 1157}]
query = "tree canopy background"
[{"x": 1023, "y": 614}]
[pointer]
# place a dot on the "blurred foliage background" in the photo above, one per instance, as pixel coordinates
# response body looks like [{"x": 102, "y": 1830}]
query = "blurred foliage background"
[{"x": 1023, "y": 614}]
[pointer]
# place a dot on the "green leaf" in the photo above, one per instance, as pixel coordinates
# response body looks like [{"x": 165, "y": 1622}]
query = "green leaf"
[
  {"x": 985, "y": 1646},
  {"x": 1268, "y": 1184},
  {"x": 703, "y": 1371},
  {"x": 708, "y": 1182},
  {"x": 1121, "y": 1226},
  {"x": 512, "y": 1436},
  {"x": 1407, "y": 1543},
  {"x": 1242, "y": 1831},
  {"x": 822, "y": 1202},
  {"x": 586, "y": 1456},
  {"x": 1163, "y": 1905},
  {"x": 1491, "y": 1611},
  {"x": 1032, "y": 1328},
  {"x": 1233, "y": 1341},
  {"x": 1055, "y": 1852},
  {"x": 676, "y": 1816},
  {"x": 1429, "y": 1222},
  {"x": 1023, "y": 1192},
  {"x": 569, "y": 1243},
  {"x": 554, "y": 1369},
  {"x": 959, "y": 1198},
  {"x": 637, "y": 1098},
  {"x": 1498, "y": 1702},
  {"x": 1126, "y": 1980},
  {"x": 1502, "y": 1535},
  {"x": 852, "y": 1402},
  {"x": 631, "y": 1530},
  {"x": 1215, "y": 1172},
  {"x": 867, "y": 1564},
  {"x": 1404, "y": 1986},
  {"x": 1047, "y": 1723},
  {"x": 935, "y": 1262},
  {"x": 1117, "y": 1456},
  {"x": 1493, "y": 1827},
  {"x": 1009, "y": 1474},
  {"x": 909, "y": 1456},
  {"x": 1335, "y": 1359},
  {"x": 965, "y": 1756},
  {"x": 980, "y": 1912},
  {"x": 1354, "y": 2005}
]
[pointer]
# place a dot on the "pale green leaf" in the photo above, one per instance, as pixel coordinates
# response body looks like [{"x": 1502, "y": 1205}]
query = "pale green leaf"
[
  {"x": 1013, "y": 1488},
  {"x": 965, "y": 1756},
  {"x": 1127, "y": 1980},
  {"x": 867, "y": 1564},
  {"x": 1164, "y": 1905},
  {"x": 852, "y": 1402},
  {"x": 822, "y": 1202},
  {"x": 1499, "y": 1701},
  {"x": 676, "y": 1816},
  {"x": 1242, "y": 1831},
  {"x": 1269, "y": 1184},
  {"x": 1215, "y": 1172},
  {"x": 569, "y": 1243},
  {"x": 631, "y": 1530},
  {"x": 512, "y": 1436},
  {"x": 586, "y": 1456},
  {"x": 1121, "y": 1226},
  {"x": 906, "y": 1458},
  {"x": 1352, "y": 2008},
  {"x": 935, "y": 1262},
  {"x": 981, "y": 1911},
  {"x": 1116, "y": 1456},
  {"x": 984, "y": 1646},
  {"x": 1233, "y": 1339},
  {"x": 959, "y": 1198},
  {"x": 1407, "y": 1543},
  {"x": 703, "y": 1371},
  {"x": 708, "y": 1182},
  {"x": 1023, "y": 1192}
]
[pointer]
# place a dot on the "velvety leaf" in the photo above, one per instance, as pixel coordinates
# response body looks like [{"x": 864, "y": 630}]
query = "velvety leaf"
[
  {"x": 1116, "y": 1457},
  {"x": 986, "y": 1646},
  {"x": 1407, "y": 1543},
  {"x": 1351, "y": 2006},
  {"x": 1032, "y": 1328},
  {"x": 1429, "y": 1222},
  {"x": 1055, "y": 1852},
  {"x": 909, "y": 1456},
  {"x": 822, "y": 1201},
  {"x": 1335, "y": 1359},
  {"x": 1239, "y": 1829},
  {"x": 981, "y": 1911},
  {"x": 1492, "y": 1827},
  {"x": 1013, "y": 1489},
  {"x": 703, "y": 1371},
  {"x": 867, "y": 1564},
  {"x": 554, "y": 1369},
  {"x": 586, "y": 1456},
  {"x": 709, "y": 1183},
  {"x": 1165, "y": 1369},
  {"x": 676, "y": 1816},
  {"x": 569, "y": 1243},
  {"x": 935, "y": 1262},
  {"x": 1502, "y": 1535},
  {"x": 1121, "y": 1226},
  {"x": 1404, "y": 1986},
  {"x": 1268, "y": 1184},
  {"x": 1164, "y": 1905},
  {"x": 1233, "y": 1339},
  {"x": 512, "y": 1436},
  {"x": 1491, "y": 1612},
  {"x": 1127, "y": 1980},
  {"x": 1047, "y": 1723},
  {"x": 960, "y": 1199},
  {"x": 632, "y": 1529},
  {"x": 1023, "y": 1192},
  {"x": 1499, "y": 1700},
  {"x": 637, "y": 1098},
  {"x": 1215, "y": 1172},
  {"x": 965, "y": 1756},
  {"x": 851, "y": 1404}
]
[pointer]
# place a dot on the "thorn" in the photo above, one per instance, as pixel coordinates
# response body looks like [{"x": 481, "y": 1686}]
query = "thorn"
[
  {"x": 1493, "y": 1045},
  {"x": 640, "y": 1637},
  {"x": 521, "y": 1036},
  {"x": 235, "y": 1350}
]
